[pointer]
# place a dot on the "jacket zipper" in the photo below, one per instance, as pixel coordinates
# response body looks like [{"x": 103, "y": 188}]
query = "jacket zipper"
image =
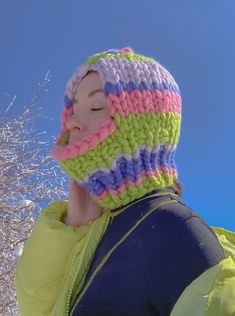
[
  {"x": 68, "y": 301},
  {"x": 72, "y": 286}
]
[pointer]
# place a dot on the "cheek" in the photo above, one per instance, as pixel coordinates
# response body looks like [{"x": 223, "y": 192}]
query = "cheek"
[
  {"x": 95, "y": 122},
  {"x": 97, "y": 119}
]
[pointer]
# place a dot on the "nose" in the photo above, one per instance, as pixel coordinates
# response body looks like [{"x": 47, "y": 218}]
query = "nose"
[{"x": 73, "y": 122}]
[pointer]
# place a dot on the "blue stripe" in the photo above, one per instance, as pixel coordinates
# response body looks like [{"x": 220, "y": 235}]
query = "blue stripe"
[
  {"x": 129, "y": 169},
  {"x": 116, "y": 89},
  {"x": 67, "y": 102}
]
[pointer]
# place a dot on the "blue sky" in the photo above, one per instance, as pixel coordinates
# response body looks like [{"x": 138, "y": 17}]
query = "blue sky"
[{"x": 194, "y": 40}]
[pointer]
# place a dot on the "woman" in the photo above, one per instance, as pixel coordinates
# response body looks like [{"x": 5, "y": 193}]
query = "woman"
[{"x": 124, "y": 243}]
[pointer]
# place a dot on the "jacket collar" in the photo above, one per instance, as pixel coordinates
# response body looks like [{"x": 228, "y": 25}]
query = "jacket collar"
[{"x": 161, "y": 190}]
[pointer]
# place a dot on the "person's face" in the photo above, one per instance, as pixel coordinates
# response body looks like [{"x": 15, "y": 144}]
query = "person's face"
[{"x": 90, "y": 108}]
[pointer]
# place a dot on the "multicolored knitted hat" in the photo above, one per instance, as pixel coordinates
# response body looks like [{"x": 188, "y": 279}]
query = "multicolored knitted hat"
[{"x": 132, "y": 153}]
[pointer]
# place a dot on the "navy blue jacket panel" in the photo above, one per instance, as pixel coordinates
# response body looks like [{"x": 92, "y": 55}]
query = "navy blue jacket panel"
[{"x": 148, "y": 271}]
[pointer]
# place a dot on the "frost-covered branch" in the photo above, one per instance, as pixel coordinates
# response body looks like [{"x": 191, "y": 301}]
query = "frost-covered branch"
[{"x": 30, "y": 179}]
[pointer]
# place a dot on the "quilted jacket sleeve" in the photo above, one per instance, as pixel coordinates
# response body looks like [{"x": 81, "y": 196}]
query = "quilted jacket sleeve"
[
  {"x": 213, "y": 292},
  {"x": 41, "y": 267}
]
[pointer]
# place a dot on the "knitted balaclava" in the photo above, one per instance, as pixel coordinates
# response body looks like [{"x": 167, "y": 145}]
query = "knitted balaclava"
[{"x": 132, "y": 153}]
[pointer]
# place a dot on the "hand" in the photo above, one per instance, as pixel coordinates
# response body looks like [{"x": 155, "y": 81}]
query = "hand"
[{"x": 81, "y": 207}]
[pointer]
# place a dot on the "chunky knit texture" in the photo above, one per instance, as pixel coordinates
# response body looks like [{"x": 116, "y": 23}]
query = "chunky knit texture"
[{"x": 133, "y": 152}]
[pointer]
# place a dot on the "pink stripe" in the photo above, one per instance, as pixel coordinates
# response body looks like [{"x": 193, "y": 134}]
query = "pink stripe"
[
  {"x": 144, "y": 102},
  {"x": 71, "y": 151},
  {"x": 136, "y": 183}
]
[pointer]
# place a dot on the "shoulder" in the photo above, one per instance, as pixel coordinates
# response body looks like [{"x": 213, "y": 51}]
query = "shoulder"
[
  {"x": 187, "y": 248},
  {"x": 181, "y": 221},
  {"x": 187, "y": 232},
  {"x": 172, "y": 224}
]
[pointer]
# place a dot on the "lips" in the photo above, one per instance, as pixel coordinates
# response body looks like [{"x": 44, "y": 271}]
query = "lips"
[
  {"x": 75, "y": 135},
  {"x": 76, "y": 129}
]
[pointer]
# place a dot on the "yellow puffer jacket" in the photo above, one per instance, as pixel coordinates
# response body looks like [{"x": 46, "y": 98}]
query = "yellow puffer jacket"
[
  {"x": 53, "y": 255},
  {"x": 57, "y": 256}
]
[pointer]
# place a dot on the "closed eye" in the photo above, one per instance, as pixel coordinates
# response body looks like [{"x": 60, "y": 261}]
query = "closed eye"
[{"x": 97, "y": 109}]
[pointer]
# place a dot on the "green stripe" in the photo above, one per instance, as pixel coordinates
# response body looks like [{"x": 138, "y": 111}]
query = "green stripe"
[
  {"x": 149, "y": 184},
  {"x": 150, "y": 130},
  {"x": 129, "y": 56}
]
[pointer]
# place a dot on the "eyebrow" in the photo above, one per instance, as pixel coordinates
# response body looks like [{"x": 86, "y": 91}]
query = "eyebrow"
[{"x": 90, "y": 94}]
